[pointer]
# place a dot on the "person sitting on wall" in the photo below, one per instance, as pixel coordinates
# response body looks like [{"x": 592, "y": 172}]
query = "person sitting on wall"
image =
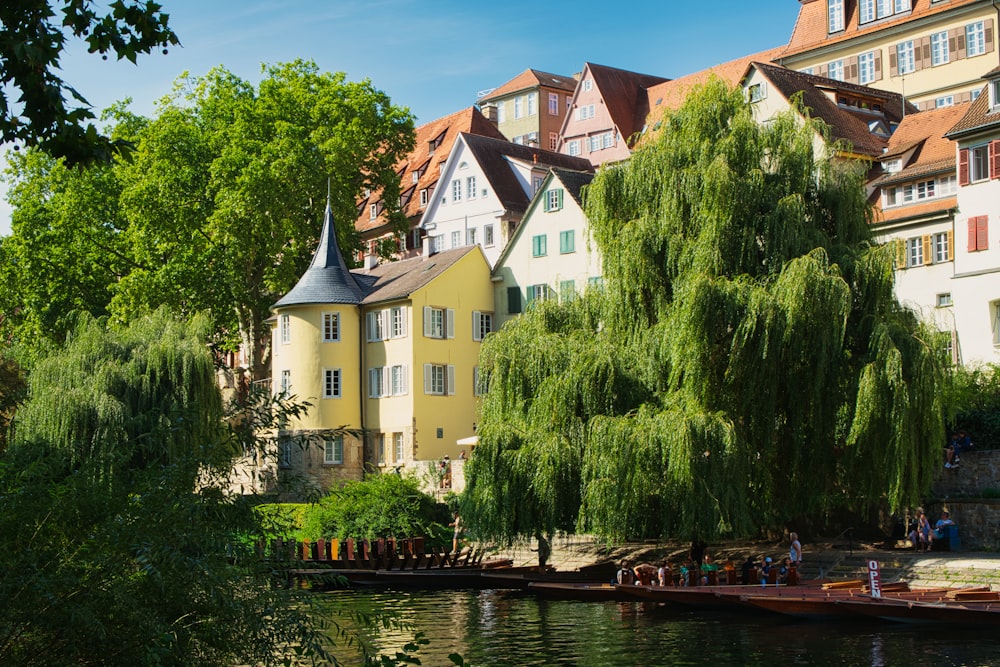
[{"x": 940, "y": 527}]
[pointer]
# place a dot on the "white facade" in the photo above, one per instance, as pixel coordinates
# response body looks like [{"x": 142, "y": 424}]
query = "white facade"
[{"x": 551, "y": 255}]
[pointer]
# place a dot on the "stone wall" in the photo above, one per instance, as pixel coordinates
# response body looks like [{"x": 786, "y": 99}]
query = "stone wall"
[{"x": 961, "y": 490}]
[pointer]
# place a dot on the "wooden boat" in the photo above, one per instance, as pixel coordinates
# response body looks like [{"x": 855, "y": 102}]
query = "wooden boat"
[
  {"x": 584, "y": 592},
  {"x": 917, "y": 611}
]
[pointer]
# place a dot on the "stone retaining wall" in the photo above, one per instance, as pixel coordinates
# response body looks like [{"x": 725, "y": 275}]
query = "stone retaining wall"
[{"x": 960, "y": 491}]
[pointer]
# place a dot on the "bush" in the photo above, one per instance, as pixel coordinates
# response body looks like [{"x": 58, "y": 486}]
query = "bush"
[
  {"x": 977, "y": 404},
  {"x": 378, "y": 506}
]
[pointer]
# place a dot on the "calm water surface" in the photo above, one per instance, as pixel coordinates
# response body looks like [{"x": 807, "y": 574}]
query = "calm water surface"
[{"x": 515, "y": 628}]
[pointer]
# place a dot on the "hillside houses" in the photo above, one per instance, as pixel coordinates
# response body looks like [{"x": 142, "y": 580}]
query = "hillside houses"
[{"x": 495, "y": 204}]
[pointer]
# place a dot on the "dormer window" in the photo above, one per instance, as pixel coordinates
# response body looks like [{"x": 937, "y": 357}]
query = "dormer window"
[
  {"x": 995, "y": 94},
  {"x": 414, "y": 177},
  {"x": 835, "y": 11},
  {"x": 892, "y": 166}
]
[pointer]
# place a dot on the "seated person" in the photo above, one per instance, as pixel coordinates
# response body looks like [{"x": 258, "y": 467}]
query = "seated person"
[
  {"x": 765, "y": 570},
  {"x": 625, "y": 574},
  {"x": 663, "y": 574},
  {"x": 707, "y": 568},
  {"x": 783, "y": 569},
  {"x": 939, "y": 527},
  {"x": 747, "y": 570}
]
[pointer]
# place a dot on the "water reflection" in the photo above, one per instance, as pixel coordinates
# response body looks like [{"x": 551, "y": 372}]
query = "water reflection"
[{"x": 513, "y": 628}]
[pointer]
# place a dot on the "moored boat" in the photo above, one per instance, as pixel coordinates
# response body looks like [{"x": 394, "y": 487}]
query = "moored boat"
[{"x": 584, "y": 592}]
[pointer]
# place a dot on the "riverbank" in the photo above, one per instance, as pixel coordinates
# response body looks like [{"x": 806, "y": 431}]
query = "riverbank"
[{"x": 820, "y": 560}]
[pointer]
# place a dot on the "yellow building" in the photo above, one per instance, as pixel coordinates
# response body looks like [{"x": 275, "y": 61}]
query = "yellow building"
[{"x": 390, "y": 351}]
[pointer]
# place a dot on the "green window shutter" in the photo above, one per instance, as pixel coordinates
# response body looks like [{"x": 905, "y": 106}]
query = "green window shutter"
[{"x": 513, "y": 300}]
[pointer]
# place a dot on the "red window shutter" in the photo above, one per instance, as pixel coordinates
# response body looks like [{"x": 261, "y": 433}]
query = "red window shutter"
[
  {"x": 982, "y": 235},
  {"x": 995, "y": 159},
  {"x": 972, "y": 234},
  {"x": 963, "y": 166}
]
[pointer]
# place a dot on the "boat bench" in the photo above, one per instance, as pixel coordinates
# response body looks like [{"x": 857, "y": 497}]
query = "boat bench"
[{"x": 950, "y": 540}]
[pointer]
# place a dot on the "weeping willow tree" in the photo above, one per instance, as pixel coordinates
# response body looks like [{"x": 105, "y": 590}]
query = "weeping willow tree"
[
  {"x": 745, "y": 363},
  {"x": 128, "y": 399}
]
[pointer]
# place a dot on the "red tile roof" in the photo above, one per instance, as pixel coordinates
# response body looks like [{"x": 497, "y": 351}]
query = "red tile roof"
[
  {"x": 671, "y": 94},
  {"x": 811, "y": 29},
  {"x": 532, "y": 78},
  {"x": 625, "y": 95},
  {"x": 924, "y": 134},
  {"x": 426, "y": 163},
  {"x": 923, "y": 209},
  {"x": 979, "y": 115}
]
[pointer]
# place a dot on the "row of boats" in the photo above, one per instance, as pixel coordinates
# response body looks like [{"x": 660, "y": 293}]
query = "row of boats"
[{"x": 814, "y": 601}]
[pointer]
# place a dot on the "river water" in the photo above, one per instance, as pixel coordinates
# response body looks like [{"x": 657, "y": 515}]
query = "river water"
[{"x": 500, "y": 628}]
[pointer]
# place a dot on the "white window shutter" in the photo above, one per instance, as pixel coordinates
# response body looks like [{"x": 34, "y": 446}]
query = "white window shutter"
[
  {"x": 371, "y": 382},
  {"x": 404, "y": 372},
  {"x": 387, "y": 381},
  {"x": 451, "y": 323},
  {"x": 451, "y": 380},
  {"x": 403, "y": 316},
  {"x": 427, "y": 321},
  {"x": 428, "y": 388},
  {"x": 476, "y": 319},
  {"x": 371, "y": 327}
]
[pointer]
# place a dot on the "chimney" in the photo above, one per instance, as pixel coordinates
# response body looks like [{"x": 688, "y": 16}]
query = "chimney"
[
  {"x": 371, "y": 261},
  {"x": 427, "y": 246},
  {"x": 490, "y": 112}
]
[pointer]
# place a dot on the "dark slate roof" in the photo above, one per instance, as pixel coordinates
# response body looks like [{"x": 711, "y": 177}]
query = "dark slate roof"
[
  {"x": 327, "y": 280},
  {"x": 398, "y": 280},
  {"x": 492, "y": 154},
  {"x": 573, "y": 181},
  {"x": 845, "y": 123}
]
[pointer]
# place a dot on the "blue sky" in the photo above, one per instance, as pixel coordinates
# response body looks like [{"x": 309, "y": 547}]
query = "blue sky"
[{"x": 433, "y": 56}]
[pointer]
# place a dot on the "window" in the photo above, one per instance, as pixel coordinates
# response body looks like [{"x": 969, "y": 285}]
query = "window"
[
  {"x": 501, "y": 112},
  {"x": 867, "y": 13},
  {"x": 424, "y": 197},
  {"x": 470, "y": 236},
  {"x": 439, "y": 379},
  {"x": 518, "y": 107},
  {"x": 397, "y": 318},
  {"x": 333, "y": 451},
  {"x": 567, "y": 291},
  {"x": 532, "y": 104},
  {"x": 943, "y": 300},
  {"x": 979, "y": 163},
  {"x": 553, "y": 104},
  {"x": 995, "y": 312},
  {"x": 482, "y": 324},
  {"x": 456, "y": 239},
  {"x": 835, "y": 13},
  {"x": 331, "y": 327},
  {"x": 437, "y": 243},
  {"x": 536, "y": 184},
  {"x": 587, "y": 85},
  {"x": 757, "y": 92},
  {"x": 914, "y": 251},
  {"x": 567, "y": 242},
  {"x": 939, "y": 48},
  {"x": 883, "y": 8},
  {"x": 594, "y": 143},
  {"x": 902, "y": 6},
  {"x": 376, "y": 382},
  {"x": 573, "y": 147},
  {"x": 285, "y": 327},
  {"x": 456, "y": 190},
  {"x": 944, "y": 101},
  {"x": 377, "y": 326},
  {"x": 331, "y": 383},
  {"x": 975, "y": 39},
  {"x": 439, "y": 322},
  {"x": 597, "y": 282},
  {"x": 553, "y": 200},
  {"x": 397, "y": 447},
  {"x": 835, "y": 70},
  {"x": 538, "y": 293},
  {"x": 379, "y": 444},
  {"x": 373, "y": 211},
  {"x": 904, "y": 57},
  {"x": 942, "y": 247},
  {"x": 470, "y": 187},
  {"x": 995, "y": 93},
  {"x": 487, "y": 235},
  {"x": 398, "y": 380},
  {"x": 553, "y": 140},
  {"x": 286, "y": 453},
  {"x": 979, "y": 233},
  {"x": 585, "y": 112},
  {"x": 286, "y": 382},
  {"x": 513, "y": 300},
  {"x": 480, "y": 382},
  {"x": 539, "y": 245},
  {"x": 866, "y": 67},
  {"x": 889, "y": 196}
]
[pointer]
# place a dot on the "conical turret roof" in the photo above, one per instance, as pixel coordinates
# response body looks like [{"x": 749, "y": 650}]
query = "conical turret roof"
[{"x": 327, "y": 280}]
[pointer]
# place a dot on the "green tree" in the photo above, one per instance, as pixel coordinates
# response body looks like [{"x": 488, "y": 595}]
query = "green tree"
[
  {"x": 217, "y": 210},
  {"x": 746, "y": 364},
  {"x": 33, "y": 105},
  {"x": 118, "y": 543}
]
